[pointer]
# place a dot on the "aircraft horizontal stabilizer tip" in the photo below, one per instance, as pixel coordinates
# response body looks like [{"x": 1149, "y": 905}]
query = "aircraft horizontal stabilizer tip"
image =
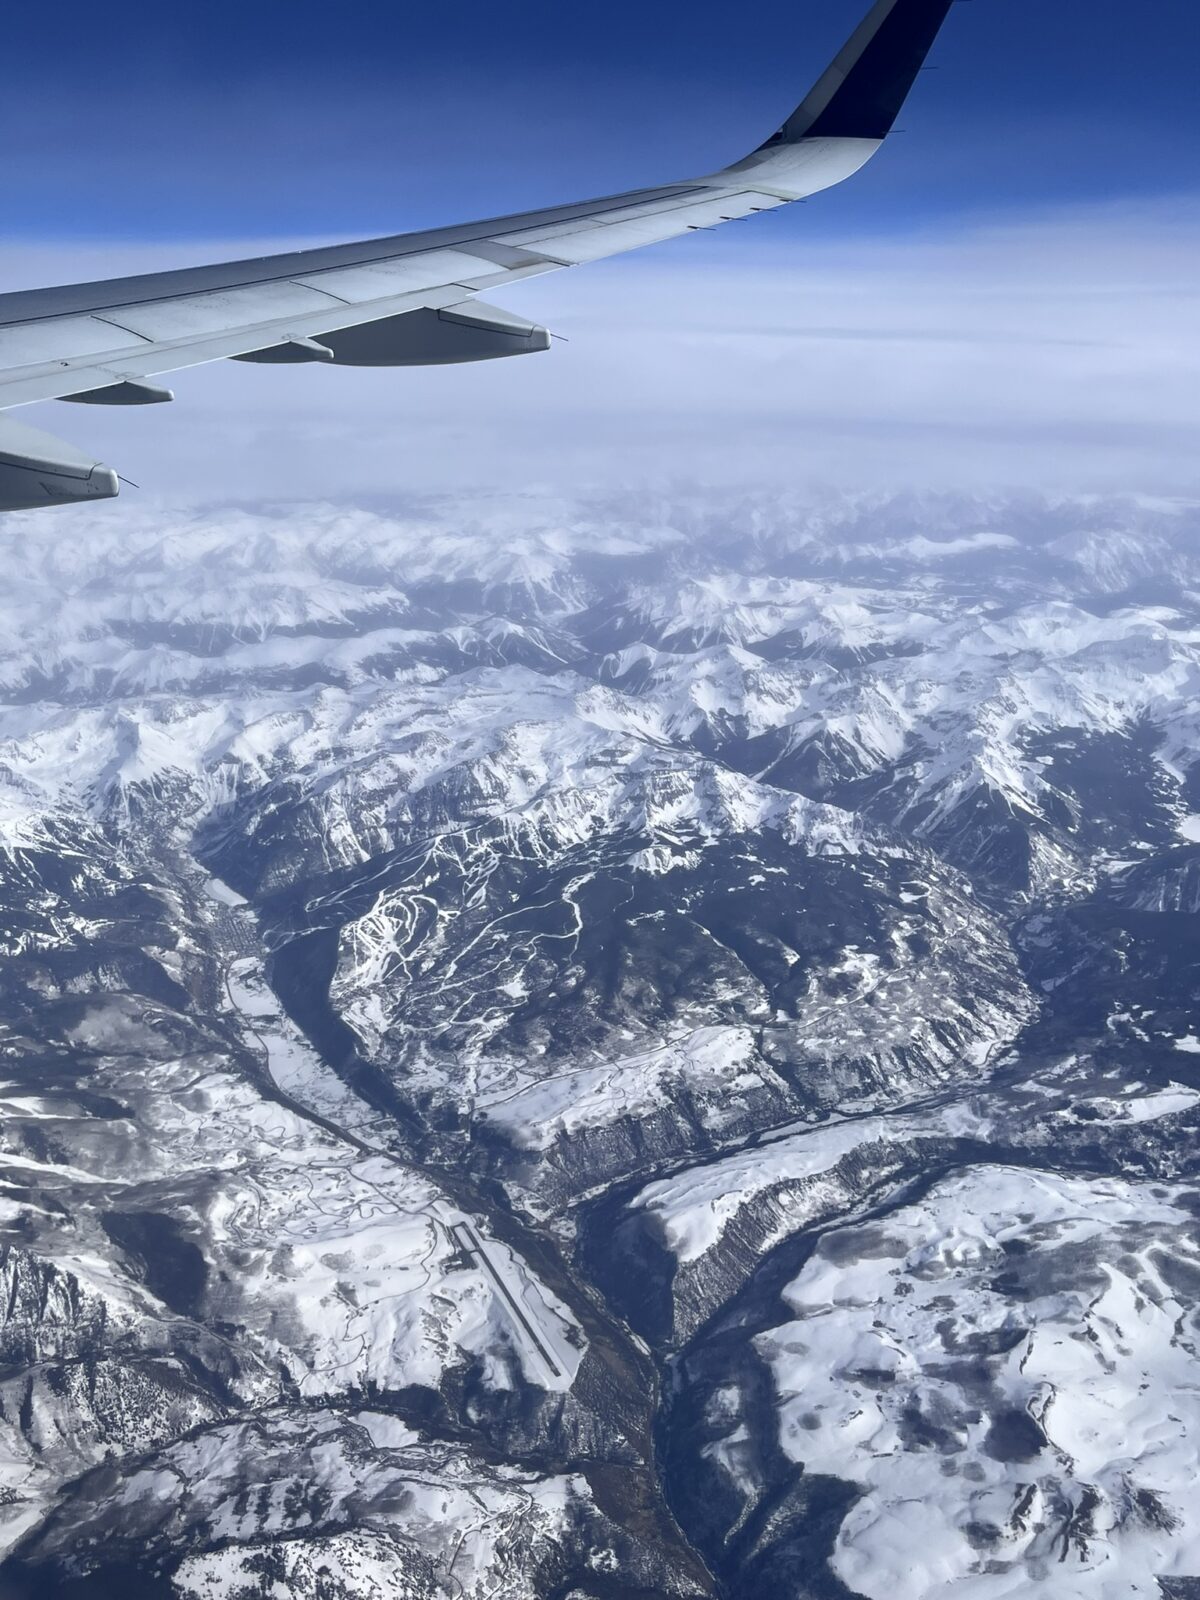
[
  {"x": 36, "y": 470},
  {"x": 861, "y": 93}
]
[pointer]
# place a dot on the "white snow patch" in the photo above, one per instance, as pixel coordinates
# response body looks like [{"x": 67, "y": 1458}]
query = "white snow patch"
[
  {"x": 221, "y": 892},
  {"x": 1056, "y": 1450}
]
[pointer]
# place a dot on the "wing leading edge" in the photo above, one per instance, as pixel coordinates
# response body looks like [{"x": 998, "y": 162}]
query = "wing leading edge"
[{"x": 409, "y": 299}]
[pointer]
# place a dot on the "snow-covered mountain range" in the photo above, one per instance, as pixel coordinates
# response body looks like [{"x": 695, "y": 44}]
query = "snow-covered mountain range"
[{"x": 601, "y": 1048}]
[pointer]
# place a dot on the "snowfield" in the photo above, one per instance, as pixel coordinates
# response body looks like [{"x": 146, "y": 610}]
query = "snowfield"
[
  {"x": 1006, "y": 1372},
  {"x": 626, "y": 1045}
]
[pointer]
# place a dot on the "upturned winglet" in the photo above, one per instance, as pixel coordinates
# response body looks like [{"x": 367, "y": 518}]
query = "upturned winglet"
[{"x": 860, "y": 95}]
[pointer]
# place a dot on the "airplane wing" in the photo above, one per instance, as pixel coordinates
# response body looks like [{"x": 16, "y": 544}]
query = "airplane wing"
[{"x": 410, "y": 299}]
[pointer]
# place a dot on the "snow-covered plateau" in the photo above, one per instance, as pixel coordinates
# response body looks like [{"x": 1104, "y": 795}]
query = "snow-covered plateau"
[
  {"x": 1006, "y": 1370},
  {"x": 641, "y": 1046}
]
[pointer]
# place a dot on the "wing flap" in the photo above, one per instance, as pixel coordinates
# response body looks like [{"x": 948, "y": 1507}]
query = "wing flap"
[
  {"x": 162, "y": 321},
  {"x": 58, "y": 339},
  {"x": 612, "y": 237},
  {"x": 57, "y": 380},
  {"x": 359, "y": 285}
]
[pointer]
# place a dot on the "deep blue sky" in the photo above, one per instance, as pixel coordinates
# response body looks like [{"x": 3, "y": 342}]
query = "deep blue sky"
[{"x": 156, "y": 121}]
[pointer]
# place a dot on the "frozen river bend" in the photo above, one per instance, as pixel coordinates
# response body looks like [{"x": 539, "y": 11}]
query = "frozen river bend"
[{"x": 602, "y": 1050}]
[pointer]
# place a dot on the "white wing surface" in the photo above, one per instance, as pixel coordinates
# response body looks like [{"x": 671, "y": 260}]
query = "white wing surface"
[{"x": 410, "y": 299}]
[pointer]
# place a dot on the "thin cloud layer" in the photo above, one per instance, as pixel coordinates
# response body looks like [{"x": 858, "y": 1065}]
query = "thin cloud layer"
[{"x": 1058, "y": 351}]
